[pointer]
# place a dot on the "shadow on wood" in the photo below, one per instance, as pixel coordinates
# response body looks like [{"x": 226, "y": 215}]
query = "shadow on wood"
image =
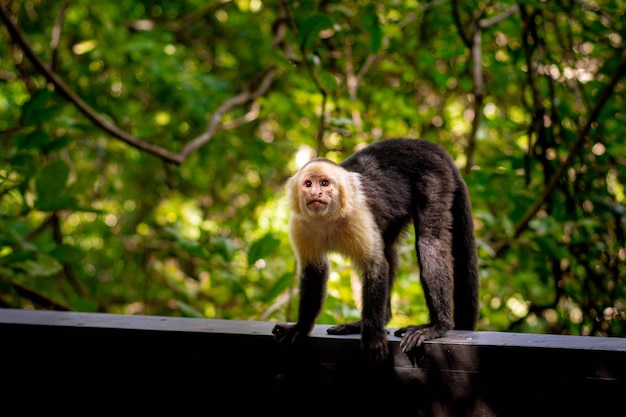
[{"x": 106, "y": 363}]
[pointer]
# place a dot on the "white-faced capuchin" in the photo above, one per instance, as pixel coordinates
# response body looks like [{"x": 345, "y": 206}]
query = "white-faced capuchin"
[{"x": 359, "y": 208}]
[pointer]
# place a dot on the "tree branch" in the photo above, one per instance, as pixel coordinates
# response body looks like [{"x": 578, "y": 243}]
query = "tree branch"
[
  {"x": 459, "y": 25},
  {"x": 476, "y": 51},
  {"x": 266, "y": 77},
  {"x": 485, "y": 23},
  {"x": 82, "y": 106},
  {"x": 257, "y": 87},
  {"x": 37, "y": 298},
  {"x": 479, "y": 93},
  {"x": 56, "y": 34}
]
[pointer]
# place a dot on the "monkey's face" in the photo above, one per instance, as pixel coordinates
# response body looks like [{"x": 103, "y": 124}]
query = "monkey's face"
[
  {"x": 317, "y": 190},
  {"x": 317, "y": 194}
]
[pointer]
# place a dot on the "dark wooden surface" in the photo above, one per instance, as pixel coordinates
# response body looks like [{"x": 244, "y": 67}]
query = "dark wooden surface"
[{"x": 112, "y": 364}]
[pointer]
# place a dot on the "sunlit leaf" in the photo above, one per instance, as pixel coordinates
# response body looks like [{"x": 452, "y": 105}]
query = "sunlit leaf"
[
  {"x": 42, "y": 265},
  {"x": 310, "y": 28},
  {"x": 192, "y": 247},
  {"x": 225, "y": 247},
  {"x": 327, "y": 80},
  {"x": 340, "y": 121},
  {"x": 279, "y": 286},
  {"x": 188, "y": 310},
  {"x": 262, "y": 247}
]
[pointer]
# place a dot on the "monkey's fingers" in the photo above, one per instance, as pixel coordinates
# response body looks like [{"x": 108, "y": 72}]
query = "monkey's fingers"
[
  {"x": 414, "y": 336},
  {"x": 412, "y": 341},
  {"x": 347, "y": 328},
  {"x": 279, "y": 330},
  {"x": 400, "y": 332},
  {"x": 408, "y": 329},
  {"x": 284, "y": 333},
  {"x": 289, "y": 334}
]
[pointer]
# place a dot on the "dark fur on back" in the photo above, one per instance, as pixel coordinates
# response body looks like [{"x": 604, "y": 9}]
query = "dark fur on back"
[{"x": 416, "y": 179}]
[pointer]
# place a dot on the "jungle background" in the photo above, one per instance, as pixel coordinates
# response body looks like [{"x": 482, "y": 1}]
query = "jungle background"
[{"x": 145, "y": 146}]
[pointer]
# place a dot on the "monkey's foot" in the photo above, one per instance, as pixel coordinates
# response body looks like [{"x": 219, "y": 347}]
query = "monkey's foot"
[
  {"x": 346, "y": 328},
  {"x": 414, "y": 336}
]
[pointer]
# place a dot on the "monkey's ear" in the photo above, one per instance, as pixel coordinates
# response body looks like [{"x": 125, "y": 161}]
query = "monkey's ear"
[
  {"x": 350, "y": 192},
  {"x": 292, "y": 189},
  {"x": 354, "y": 182},
  {"x": 290, "y": 182}
]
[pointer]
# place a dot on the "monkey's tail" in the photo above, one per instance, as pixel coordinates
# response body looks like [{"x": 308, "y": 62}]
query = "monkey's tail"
[{"x": 466, "y": 280}]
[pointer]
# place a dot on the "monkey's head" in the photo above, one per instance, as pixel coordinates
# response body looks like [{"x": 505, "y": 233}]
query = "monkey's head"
[{"x": 322, "y": 188}]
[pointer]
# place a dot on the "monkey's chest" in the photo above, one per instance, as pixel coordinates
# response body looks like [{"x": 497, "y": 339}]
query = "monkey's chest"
[{"x": 345, "y": 240}]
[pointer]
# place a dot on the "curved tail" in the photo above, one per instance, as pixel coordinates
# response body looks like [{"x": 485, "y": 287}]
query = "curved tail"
[{"x": 466, "y": 280}]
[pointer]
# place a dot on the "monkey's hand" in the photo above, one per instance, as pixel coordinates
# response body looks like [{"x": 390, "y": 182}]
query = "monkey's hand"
[
  {"x": 289, "y": 334},
  {"x": 414, "y": 336},
  {"x": 346, "y": 328}
]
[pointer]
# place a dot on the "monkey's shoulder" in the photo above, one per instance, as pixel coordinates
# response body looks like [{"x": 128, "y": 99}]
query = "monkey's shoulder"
[{"x": 400, "y": 157}]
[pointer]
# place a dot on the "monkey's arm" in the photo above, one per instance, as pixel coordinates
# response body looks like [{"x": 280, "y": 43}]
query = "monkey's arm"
[
  {"x": 313, "y": 278},
  {"x": 375, "y": 296},
  {"x": 375, "y": 314}
]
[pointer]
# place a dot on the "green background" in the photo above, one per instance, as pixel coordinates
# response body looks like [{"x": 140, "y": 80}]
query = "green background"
[{"x": 144, "y": 148}]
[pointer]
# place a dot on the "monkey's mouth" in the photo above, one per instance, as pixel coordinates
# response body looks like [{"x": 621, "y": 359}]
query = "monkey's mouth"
[{"x": 316, "y": 203}]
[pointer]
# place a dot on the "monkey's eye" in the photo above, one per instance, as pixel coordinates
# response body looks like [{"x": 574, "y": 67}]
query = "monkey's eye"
[
  {"x": 308, "y": 183},
  {"x": 325, "y": 183}
]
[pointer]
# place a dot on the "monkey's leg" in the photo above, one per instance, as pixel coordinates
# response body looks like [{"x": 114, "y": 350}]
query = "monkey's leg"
[
  {"x": 434, "y": 250},
  {"x": 392, "y": 261}
]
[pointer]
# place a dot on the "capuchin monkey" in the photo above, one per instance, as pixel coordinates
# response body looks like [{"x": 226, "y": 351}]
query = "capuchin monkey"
[{"x": 359, "y": 208}]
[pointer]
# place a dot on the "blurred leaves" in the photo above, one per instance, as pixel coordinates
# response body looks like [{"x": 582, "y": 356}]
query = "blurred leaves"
[
  {"x": 89, "y": 223},
  {"x": 372, "y": 27}
]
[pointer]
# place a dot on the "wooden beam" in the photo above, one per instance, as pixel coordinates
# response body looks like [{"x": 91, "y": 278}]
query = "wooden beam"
[{"x": 123, "y": 362}]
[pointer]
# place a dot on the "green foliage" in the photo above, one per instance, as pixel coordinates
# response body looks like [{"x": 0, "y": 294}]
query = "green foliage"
[{"x": 89, "y": 222}]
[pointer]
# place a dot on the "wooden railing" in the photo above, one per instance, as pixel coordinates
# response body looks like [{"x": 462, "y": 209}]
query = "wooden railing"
[{"x": 107, "y": 364}]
